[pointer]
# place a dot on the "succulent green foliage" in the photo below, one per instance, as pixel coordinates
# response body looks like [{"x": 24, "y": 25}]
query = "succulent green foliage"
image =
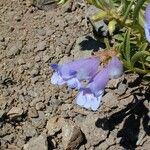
[
  {"x": 130, "y": 41},
  {"x": 135, "y": 57}
]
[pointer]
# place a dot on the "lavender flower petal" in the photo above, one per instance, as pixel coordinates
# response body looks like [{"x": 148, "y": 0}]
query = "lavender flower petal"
[
  {"x": 147, "y": 31},
  {"x": 88, "y": 100},
  {"x": 83, "y": 69},
  {"x": 147, "y": 14},
  {"x": 147, "y": 23},
  {"x": 81, "y": 99},
  {"x": 73, "y": 83},
  {"x": 115, "y": 68},
  {"x": 99, "y": 82},
  {"x": 57, "y": 79}
]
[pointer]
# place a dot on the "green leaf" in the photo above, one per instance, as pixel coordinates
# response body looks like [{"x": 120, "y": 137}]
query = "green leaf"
[
  {"x": 138, "y": 55},
  {"x": 126, "y": 45},
  {"x": 137, "y": 9},
  {"x": 127, "y": 11}
]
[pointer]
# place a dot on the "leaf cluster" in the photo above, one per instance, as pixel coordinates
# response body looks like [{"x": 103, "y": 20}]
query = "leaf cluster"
[{"x": 127, "y": 17}]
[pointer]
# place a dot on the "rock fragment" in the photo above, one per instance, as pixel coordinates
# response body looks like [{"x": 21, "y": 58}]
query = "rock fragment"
[
  {"x": 40, "y": 121},
  {"x": 15, "y": 112},
  {"x": 71, "y": 135},
  {"x": 54, "y": 125},
  {"x": 93, "y": 134},
  {"x": 37, "y": 143},
  {"x": 33, "y": 113},
  {"x": 41, "y": 46}
]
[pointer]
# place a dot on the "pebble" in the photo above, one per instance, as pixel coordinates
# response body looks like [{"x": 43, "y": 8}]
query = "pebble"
[
  {"x": 2, "y": 39},
  {"x": 9, "y": 138},
  {"x": 46, "y": 58},
  {"x": 54, "y": 125},
  {"x": 35, "y": 72},
  {"x": 29, "y": 130},
  {"x": 37, "y": 58},
  {"x": 93, "y": 134},
  {"x": 41, "y": 46},
  {"x": 21, "y": 61},
  {"x": 14, "y": 50},
  {"x": 41, "y": 32},
  {"x": 32, "y": 113},
  {"x": 37, "y": 143},
  {"x": 15, "y": 112},
  {"x": 110, "y": 100},
  {"x": 71, "y": 135},
  {"x": 113, "y": 83},
  {"x": 40, "y": 106},
  {"x": 64, "y": 40},
  {"x": 121, "y": 89},
  {"x": 40, "y": 121}
]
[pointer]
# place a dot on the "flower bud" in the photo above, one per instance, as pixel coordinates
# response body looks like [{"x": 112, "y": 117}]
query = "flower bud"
[{"x": 112, "y": 26}]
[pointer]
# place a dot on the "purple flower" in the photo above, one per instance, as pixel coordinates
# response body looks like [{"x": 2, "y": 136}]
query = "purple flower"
[
  {"x": 115, "y": 68},
  {"x": 73, "y": 72},
  {"x": 90, "y": 97},
  {"x": 147, "y": 23}
]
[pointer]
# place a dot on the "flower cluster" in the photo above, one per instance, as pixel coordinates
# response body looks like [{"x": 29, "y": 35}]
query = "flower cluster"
[
  {"x": 73, "y": 73},
  {"x": 147, "y": 23}
]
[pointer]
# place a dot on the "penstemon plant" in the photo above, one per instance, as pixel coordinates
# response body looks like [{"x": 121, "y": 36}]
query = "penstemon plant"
[{"x": 132, "y": 18}]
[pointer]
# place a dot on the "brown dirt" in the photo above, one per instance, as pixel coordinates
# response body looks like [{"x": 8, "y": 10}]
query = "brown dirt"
[{"x": 31, "y": 39}]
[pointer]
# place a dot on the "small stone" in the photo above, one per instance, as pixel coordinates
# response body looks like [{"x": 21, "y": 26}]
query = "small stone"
[
  {"x": 33, "y": 113},
  {"x": 29, "y": 2},
  {"x": 21, "y": 61},
  {"x": 2, "y": 39},
  {"x": 41, "y": 46},
  {"x": 40, "y": 121},
  {"x": 9, "y": 138},
  {"x": 121, "y": 89},
  {"x": 40, "y": 106},
  {"x": 64, "y": 40},
  {"x": 50, "y": 32},
  {"x": 45, "y": 4},
  {"x": 54, "y": 125},
  {"x": 35, "y": 72},
  {"x": 71, "y": 135},
  {"x": 37, "y": 143},
  {"x": 113, "y": 83},
  {"x": 15, "y": 112},
  {"x": 93, "y": 134},
  {"x": 46, "y": 58},
  {"x": 14, "y": 50},
  {"x": 110, "y": 100},
  {"x": 29, "y": 130},
  {"x": 41, "y": 32},
  {"x": 20, "y": 140},
  {"x": 18, "y": 18},
  {"x": 37, "y": 58}
]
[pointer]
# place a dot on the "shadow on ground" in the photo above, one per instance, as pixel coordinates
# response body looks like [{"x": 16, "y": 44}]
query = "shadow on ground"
[
  {"x": 133, "y": 116},
  {"x": 91, "y": 44}
]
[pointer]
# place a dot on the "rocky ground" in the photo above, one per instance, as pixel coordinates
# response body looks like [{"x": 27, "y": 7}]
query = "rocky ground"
[{"x": 36, "y": 115}]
